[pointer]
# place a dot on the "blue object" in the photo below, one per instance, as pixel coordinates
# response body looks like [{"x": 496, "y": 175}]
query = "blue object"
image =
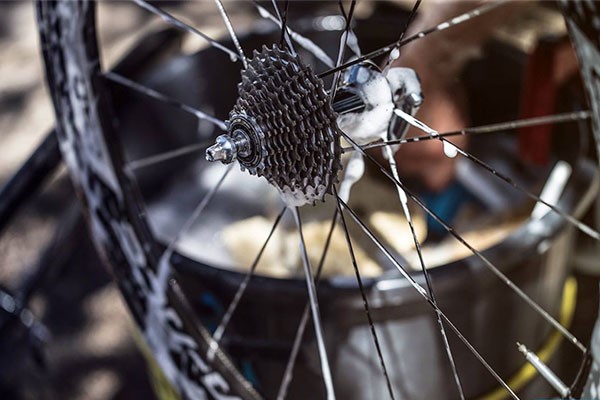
[{"x": 446, "y": 205}]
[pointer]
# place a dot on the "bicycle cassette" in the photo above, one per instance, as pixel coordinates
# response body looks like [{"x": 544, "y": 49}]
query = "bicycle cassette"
[{"x": 283, "y": 127}]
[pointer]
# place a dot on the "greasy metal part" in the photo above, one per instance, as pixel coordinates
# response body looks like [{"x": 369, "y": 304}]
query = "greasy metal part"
[
  {"x": 350, "y": 93},
  {"x": 347, "y": 101},
  {"x": 367, "y": 98},
  {"x": 410, "y": 105},
  {"x": 545, "y": 371},
  {"x": 407, "y": 96},
  {"x": 283, "y": 127}
]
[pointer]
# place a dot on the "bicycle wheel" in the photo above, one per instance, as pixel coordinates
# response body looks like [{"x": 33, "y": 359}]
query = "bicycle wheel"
[{"x": 169, "y": 289}]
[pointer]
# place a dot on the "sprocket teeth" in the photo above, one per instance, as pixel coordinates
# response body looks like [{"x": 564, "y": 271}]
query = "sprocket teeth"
[{"x": 299, "y": 150}]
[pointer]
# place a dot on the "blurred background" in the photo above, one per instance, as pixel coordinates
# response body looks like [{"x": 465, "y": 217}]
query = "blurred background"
[{"x": 89, "y": 350}]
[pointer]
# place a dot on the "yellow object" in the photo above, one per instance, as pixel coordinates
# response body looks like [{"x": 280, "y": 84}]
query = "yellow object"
[{"x": 527, "y": 372}]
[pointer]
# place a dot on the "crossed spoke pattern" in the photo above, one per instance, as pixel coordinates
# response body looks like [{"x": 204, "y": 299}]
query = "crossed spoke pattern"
[
  {"x": 289, "y": 37},
  {"x": 484, "y": 129},
  {"x": 476, "y": 252}
]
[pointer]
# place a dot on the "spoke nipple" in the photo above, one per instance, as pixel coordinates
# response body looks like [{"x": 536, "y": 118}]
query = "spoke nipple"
[{"x": 545, "y": 371}]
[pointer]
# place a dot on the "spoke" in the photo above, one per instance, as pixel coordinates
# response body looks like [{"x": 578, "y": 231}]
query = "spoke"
[
  {"x": 167, "y": 155},
  {"x": 121, "y": 80},
  {"x": 164, "y": 265},
  {"x": 218, "y": 335},
  {"x": 289, "y": 368},
  {"x": 543, "y": 313},
  {"x": 364, "y": 299},
  {"x": 492, "y": 128},
  {"x": 591, "y": 232},
  {"x": 343, "y": 43},
  {"x": 186, "y": 27},
  {"x": 352, "y": 40},
  {"x": 314, "y": 307},
  {"x": 449, "y": 146},
  {"x": 404, "y": 202},
  {"x": 395, "y": 52},
  {"x": 398, "y": 44},
  {"x": 282, "y": 18},
  {"x": 304, "y": 42},
  {"x": 285, "y": 35},
  {"x": 234, "y": 38},
  {"x": 424, "y": 294},
  {"x": 416, "y": 123}
]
